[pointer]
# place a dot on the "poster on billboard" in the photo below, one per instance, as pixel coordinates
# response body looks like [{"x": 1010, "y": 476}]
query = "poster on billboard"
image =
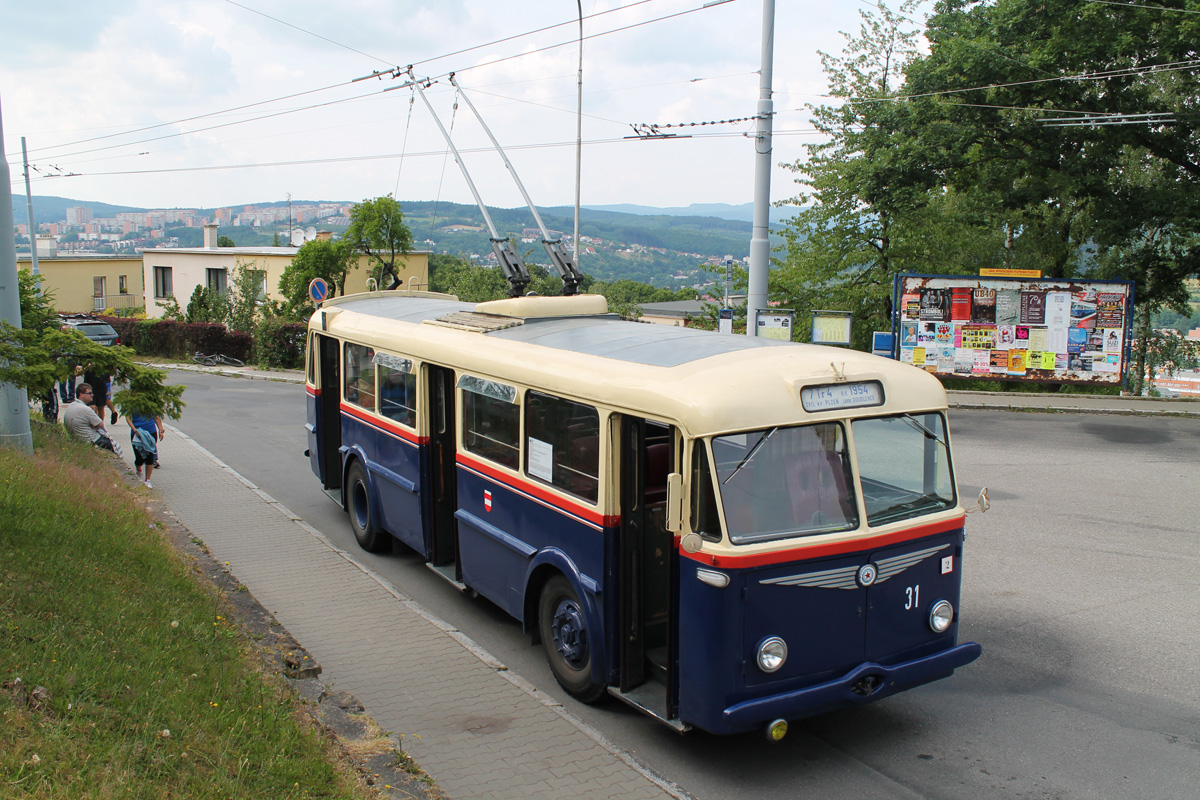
[{"x": 1018, "y": 329}]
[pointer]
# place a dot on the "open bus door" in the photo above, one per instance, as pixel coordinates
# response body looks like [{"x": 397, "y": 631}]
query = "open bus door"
[
  {"x": 443, "y": 472},
  {"x": 329, "y": 416},
  {"x": 648, "y": 635}
]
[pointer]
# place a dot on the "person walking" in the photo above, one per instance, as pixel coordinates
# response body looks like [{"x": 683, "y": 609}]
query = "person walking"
[{"x": 144, "y": 434}]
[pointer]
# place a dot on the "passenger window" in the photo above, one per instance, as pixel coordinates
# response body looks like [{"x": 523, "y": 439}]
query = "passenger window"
[
  {"x": 397, "y": 389},
  {"x": 360, "y": 375},
  {"x": 491, "y": 421},
  {"x": 562, "y": 444}
]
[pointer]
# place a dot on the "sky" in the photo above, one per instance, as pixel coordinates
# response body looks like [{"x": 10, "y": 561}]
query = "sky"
[{"x": 208, "y": 103}]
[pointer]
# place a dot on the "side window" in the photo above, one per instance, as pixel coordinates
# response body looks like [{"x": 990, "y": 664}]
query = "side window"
[
  {"x": 359, "y": 375},
  {"x": 397, "y": 389},
  {"x": 312, "y": 358},
  {"x": 705, "y": 519},
  {"x": 491, "y": 421},
  {"x": 163, "y": 287},
  {"x": 562, "y": 444}
]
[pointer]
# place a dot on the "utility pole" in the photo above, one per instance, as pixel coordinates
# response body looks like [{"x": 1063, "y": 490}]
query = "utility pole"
[
  {"x": 33, "y": 254},
  {"x": 760, "y": 246},
  {"x": 578, "y": 133},
  {"x": 14, "y": 402}
]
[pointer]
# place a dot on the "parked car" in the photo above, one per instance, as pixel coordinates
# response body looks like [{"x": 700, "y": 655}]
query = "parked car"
[{"x": 95, "y": 329}]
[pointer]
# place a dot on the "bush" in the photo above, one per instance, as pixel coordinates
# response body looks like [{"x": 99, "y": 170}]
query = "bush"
[
  {"x": 168, "y": 338},
  {"x": 279, "y": 343}
]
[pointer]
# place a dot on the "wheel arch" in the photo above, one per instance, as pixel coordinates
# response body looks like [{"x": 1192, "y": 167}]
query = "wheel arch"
[{"x": 546, "y": 564}]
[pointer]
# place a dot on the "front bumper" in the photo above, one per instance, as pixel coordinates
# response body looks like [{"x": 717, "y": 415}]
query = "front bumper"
[{"x": 863, "y": 684}]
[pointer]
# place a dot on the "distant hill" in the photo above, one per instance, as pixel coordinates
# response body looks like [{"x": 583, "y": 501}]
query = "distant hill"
[{"x": 743, "y": 212}]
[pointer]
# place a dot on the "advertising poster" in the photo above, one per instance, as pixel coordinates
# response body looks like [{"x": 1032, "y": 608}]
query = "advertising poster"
[
  {"x": 1008, "y": 307},
  {"x": 935, "y": 305},
  {"x": 1023, "y": 329},
  {"x": 1110, "y": 310},
  {"x": 983, "y": 306},
  {"x": 960, "y": 304}
]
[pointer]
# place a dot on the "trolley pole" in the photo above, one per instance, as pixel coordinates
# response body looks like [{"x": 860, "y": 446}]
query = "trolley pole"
[
  {"x": 760, "y": 247},
  {"x": 14, "y": 401}
]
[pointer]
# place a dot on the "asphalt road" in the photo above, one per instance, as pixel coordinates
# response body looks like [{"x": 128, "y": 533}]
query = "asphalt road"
[{"x": 1082, "y": 584}]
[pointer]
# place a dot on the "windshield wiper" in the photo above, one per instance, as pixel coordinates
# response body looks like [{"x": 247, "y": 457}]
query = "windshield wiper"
[
  {"x": 753, "y": 450},
  {"x": 922, "y": 427}
]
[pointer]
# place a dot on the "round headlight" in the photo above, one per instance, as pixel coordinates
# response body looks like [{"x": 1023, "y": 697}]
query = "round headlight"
[
  {"x": 940, "y": 616},
  {"x": 771, "y": 654}
]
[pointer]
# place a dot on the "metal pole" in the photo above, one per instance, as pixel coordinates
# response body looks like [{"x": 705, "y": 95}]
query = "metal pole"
[
  {"x": 14, "y": 402},
  {"x": 760, "y": 247},
  {"x": 37, "y": 274},
  {"x": 578, "y": 134}
]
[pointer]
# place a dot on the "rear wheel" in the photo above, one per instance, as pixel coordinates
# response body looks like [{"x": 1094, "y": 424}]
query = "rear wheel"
[
  {"x": 567, "y": 639},
  {"x": 358, "y": 506}
]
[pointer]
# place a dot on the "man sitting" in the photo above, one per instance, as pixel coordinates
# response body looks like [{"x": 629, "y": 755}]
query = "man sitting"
[{"x": 81, "y": 420}]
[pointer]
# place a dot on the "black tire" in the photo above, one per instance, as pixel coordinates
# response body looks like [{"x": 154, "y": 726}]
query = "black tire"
[
  {"x": 358, "y": 508},
  {"x": 567, "y": 640},
  {"x": 233, "y": 362}
]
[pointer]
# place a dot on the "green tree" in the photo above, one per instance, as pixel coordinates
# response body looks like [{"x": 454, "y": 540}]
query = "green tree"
[
  {"x": 245, "y": 295},
  {"x": 330, "y": 261},
  {"x": 37, "y": 354},
  {"x": 839, "y": 249},
  {"x": 225, "y": 241},
  {"x": 377, "y": 228}
]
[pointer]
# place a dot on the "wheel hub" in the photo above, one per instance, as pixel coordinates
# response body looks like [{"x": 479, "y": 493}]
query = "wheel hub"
[{"x": 570, "y": 633}]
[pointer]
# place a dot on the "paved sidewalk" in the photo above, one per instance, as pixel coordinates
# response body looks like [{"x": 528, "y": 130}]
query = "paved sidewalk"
[{"x": 479, "y": 730}]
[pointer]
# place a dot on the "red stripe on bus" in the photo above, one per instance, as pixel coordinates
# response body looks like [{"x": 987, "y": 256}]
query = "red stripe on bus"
[
  {"x": 314, "y": 391},
  {"x": 560, "y": 503},
  {"x": 823, "y": 550},
  {"x": 384, "y": 424}
]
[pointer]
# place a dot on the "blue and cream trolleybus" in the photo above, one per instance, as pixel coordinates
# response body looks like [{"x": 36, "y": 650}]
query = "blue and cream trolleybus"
[{"x": 725, "y": 532}]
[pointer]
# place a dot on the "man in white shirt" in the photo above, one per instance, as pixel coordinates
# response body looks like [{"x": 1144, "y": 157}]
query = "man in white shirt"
[{"x": 81, "y": 420}]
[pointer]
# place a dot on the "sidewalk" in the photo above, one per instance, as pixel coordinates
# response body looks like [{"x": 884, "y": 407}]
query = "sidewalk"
[{"x": 477, "y": 729}]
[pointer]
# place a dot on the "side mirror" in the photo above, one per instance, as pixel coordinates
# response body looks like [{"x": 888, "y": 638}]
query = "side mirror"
[
  {"x": 691, "y": 542},
  {"x": 674, "y": 502},
  {"x": 983, "y": 503}
]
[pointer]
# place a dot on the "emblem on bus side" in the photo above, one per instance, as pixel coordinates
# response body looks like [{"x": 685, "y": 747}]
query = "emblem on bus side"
[{"x": 866, "y": 575}]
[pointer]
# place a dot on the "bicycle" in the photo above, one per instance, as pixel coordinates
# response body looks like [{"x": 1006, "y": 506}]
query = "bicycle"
[{"x": 216, "y": 359}]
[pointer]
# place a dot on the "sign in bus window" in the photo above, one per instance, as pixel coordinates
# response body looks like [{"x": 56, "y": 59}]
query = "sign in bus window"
[
  {"x": 360, "y": 375},
  {"x": 491, "y": 425},
  {"x": 562, "y": 444},
  {"x": 904, "y": 464},
  {"x": 782, "y": 482}
]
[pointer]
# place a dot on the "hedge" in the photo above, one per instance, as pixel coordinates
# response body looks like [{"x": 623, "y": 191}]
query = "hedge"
[{"x": 282, "y": 344}]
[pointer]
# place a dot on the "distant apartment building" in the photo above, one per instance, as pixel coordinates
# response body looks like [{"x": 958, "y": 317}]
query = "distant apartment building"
[{"x": 78, "y": 215}]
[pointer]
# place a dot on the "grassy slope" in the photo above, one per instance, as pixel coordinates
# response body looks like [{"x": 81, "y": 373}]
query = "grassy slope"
[{"x": 98, "y": 609}]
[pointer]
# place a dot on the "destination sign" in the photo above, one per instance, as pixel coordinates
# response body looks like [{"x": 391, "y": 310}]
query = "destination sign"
[{"x": 841, "y": 395}]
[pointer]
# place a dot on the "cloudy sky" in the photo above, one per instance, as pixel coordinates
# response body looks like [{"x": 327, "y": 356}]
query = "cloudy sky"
[{"x": 203, "y": 103}]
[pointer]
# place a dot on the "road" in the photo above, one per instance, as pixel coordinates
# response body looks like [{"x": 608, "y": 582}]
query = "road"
[{"x": 1081, "y": 584}]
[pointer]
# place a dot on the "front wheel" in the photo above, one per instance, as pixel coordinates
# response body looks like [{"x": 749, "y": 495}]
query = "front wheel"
[
  {"x": 567, "y": 639},
  {"x": 358, "y": 506},
  {"x": 233, "y": 362}
]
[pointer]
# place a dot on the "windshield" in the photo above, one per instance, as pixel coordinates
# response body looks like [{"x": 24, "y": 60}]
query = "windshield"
[
  {"x": 781, "y": 482},
  {"x": 92, "y": 329},
  {"x": 904, "y": 464}
]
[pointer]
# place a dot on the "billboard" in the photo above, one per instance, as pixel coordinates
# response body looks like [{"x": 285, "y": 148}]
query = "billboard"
[{"x": 1029, "y": 329}]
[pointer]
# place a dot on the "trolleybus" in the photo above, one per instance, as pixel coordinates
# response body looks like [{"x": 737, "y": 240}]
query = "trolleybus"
[{"x": 725, "y": 532}]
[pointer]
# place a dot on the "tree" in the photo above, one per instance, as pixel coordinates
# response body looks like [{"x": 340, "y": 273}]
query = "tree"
[
  {"x": 839, "y": 247},
  {"x": 377, "y": 228},
  {"x": 328, "y": 260},
  {"x": 225, "y": 241},
  {"x": 37, "y": 354}
]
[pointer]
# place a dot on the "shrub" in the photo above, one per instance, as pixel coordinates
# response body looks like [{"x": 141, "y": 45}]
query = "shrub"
[{"x": 279, "y": 343}]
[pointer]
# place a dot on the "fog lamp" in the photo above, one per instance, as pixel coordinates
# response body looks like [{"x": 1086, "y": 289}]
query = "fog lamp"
[{"x": 777, "y": 730}]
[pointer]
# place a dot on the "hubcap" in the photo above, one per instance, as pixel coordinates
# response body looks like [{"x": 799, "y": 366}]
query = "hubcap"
[
  {"x": 359, "y": 506},
  {"x": 570, "y": 633}
]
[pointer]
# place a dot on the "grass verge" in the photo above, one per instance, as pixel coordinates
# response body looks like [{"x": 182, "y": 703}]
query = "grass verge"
[{"x": 121, "y": 676}]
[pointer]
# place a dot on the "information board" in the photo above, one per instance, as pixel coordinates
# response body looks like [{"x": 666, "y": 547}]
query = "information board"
[{"x": 1044, "y": 330}]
